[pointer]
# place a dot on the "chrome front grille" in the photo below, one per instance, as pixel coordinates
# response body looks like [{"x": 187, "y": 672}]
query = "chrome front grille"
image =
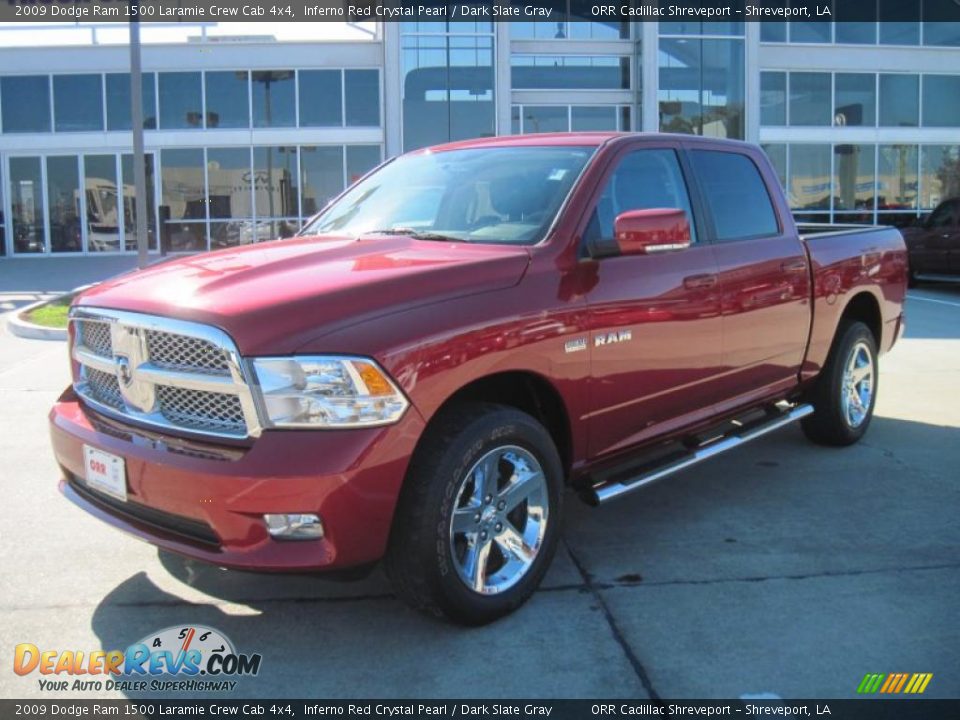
[
  {"x": 167, "y": 373},
  {"x": 104, "y": 388},
  {"x": 95, "y": 336},
  {"x": 201, "y": 410},
  {"x": 182, "y": 352}
]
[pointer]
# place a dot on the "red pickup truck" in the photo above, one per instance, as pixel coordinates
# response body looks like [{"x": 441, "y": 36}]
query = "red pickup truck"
[{"x": 459, "y": 336}]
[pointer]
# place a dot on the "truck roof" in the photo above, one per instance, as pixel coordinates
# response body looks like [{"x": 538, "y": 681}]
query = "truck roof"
[{"x": 561, "y": 139}]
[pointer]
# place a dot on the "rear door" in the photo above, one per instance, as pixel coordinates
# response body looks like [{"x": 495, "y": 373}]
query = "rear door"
[
  {"x": 654, "y": 326},
  {"x": 930, "y": 249},
  {"x": 951, "y": 236},
  {"x": 764, "y": 274}
]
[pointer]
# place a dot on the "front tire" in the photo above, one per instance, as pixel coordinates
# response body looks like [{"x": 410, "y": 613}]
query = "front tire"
[
  {"x": 846, "y": 391},
  {"x": 479, "y": 517}
]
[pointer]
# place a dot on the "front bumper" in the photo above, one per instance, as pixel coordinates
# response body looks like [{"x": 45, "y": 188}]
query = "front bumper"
[{"x": 206, "y": 501}]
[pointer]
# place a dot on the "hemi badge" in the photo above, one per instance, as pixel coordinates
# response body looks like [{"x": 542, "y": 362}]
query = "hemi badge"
[{"x": 572, "y": 346}]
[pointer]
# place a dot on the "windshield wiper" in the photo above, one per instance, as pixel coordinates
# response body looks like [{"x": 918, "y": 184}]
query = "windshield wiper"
[{"x": 416, "y": 234}]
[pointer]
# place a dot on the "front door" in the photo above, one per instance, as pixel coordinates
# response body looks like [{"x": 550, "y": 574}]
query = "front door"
[{"x": 654, "y": 326}]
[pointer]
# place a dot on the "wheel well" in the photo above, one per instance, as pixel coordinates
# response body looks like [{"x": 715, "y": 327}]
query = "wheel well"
[
  {"x": 864, "y": 308},
  {"x": 530, "y": 393}
]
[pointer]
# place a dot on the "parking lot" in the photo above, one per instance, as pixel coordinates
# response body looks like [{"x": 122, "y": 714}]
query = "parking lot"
[{"x": 782, "y": 568}]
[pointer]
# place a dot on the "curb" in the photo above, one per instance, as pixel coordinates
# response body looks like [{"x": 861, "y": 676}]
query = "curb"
[{"x": 20, "y": 327}]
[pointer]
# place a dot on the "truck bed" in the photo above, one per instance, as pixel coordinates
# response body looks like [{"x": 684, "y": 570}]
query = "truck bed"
[{"x": 845, "y": 261}]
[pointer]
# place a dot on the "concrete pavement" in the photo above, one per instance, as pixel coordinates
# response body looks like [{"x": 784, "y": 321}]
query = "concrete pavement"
[{"x": 781, "y": 568}]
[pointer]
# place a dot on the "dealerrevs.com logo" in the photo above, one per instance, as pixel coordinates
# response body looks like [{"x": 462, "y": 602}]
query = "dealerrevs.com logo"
[{"x": 176, "y": 659}]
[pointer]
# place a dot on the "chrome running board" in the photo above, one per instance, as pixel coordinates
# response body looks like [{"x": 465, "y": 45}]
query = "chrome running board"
[{"x": 615, "y": 487}]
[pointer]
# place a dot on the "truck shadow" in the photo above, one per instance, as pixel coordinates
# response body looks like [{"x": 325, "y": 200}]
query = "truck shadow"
[{"x": 779, "y": 511}]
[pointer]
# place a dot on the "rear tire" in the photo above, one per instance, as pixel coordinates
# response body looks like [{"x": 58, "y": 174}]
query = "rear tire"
[
  {"x": 479, "y": 516},
  {"x": 846, "y": 391}
]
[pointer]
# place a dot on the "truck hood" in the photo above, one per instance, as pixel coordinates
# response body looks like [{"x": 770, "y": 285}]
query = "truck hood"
[{"x": 274, "y": 297}]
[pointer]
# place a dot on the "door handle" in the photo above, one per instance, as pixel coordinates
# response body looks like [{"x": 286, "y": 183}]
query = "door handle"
[
  {"x": 797, "y": 265},
  {"x": 694, "y": 282}
]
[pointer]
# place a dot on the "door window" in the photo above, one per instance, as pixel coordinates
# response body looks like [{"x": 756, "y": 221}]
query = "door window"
[
  {"x": 735, "y": 194},
  {"x": 943, "y": 215},
  {"x": 644, "y": 179}
]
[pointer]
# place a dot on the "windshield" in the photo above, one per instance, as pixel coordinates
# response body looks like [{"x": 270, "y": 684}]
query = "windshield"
[{"x": 487, "y": 195}]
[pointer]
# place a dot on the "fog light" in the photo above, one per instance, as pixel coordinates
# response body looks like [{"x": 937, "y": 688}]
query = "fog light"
[{"x": 294, "y": 526}]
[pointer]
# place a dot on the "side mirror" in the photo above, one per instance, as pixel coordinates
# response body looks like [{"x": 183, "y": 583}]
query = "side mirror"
[{"x": 642, "y": 232}]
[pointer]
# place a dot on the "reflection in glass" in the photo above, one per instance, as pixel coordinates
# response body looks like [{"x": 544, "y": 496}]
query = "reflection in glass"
[
  {"x": 363, "y": 97},
  {"x": 856, "y": 33},
  {"x": 63, "y": 203},
  {"x": 582, "y": 27},
  {"x": 777, "y": 153},
  {"x": 773, "y": 32},
  {"x": 228, "y": 99},
  {"x": 941, "y": 24},
  {"x": 103, "y": 206},
  {"x": 897, "y": 181},
  {"x": 181, "y": 101},
  {"x": 25, "y": 101},
  {"x": 854, "y": 180},
  {"x": 899, "y": 100},
  {"x": 856, "y": 22},
  {"x": 77, "y": 103},
  {"x": 694, "y": 27},
  {"x": 447, "y": 89},
  {"x": 809, "y": 180},
  {"x": 773, "y": 98},
  {"x": 515, "y": 120},
  {"x": 229, "y": 189},
  {"x": 361, "y": 159},
  {"x": 941, "y": 100},
  {"x": 274, "y": 101},
  {"x": 182, "y": 200},
  {"x": 275, "y": 181},
  {"x": 570, "y": 72},
  {"x": 118, "y": 101},
  {"x": 130, "y": 206},
  {"x": 856, "y": 99},
  {"x": 321, "y": 98},
  {"x": 810, "y": 99},
  {"x": 321, "y": 176},
  {"x": 26, "y": 205},
  {"x": 702, "y": 87},
  {"x": 939, "y": 174},
  {"x": 899, "y": 22},
  {"x": 544, "y": 119},
  {"x": 810, "y": 32},
  {"x": 586, "y": 118}
]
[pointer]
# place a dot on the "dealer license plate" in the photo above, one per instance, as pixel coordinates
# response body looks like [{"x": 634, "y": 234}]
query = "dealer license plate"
[{"x": 105, "y": 472}]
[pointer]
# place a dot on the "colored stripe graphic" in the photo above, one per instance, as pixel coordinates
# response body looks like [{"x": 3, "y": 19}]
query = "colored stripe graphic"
[
  {"x": 870, "y": 683},
  {"x": 894, "y": 683}
]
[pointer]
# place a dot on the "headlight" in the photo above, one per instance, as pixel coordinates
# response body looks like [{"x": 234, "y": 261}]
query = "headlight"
[{"x": 327, "y": 391}]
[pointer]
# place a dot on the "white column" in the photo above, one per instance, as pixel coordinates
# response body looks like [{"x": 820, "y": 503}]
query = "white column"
[
  {"x": 392, "y": 90},
  {"x": 502, "y": 79},
  {"x": 650, "y": 75},
  {"x": 751, "y": 99}
]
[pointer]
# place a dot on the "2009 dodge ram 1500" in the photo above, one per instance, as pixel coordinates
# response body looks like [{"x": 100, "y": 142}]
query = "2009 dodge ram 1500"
[{"x": 456, "y": 337}]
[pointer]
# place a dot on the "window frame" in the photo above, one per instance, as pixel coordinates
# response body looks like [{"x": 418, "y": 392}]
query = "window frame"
[{"x": 708, "y": 217}]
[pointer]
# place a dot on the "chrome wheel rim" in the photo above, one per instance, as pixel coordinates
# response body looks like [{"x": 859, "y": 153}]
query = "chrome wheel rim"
[
  {"x": 858, "y": 384},
  {"x": 499, "y": 520}
]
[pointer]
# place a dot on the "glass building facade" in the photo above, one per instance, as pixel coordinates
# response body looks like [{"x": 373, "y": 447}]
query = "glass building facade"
[{"x": 249, "y": 132}]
